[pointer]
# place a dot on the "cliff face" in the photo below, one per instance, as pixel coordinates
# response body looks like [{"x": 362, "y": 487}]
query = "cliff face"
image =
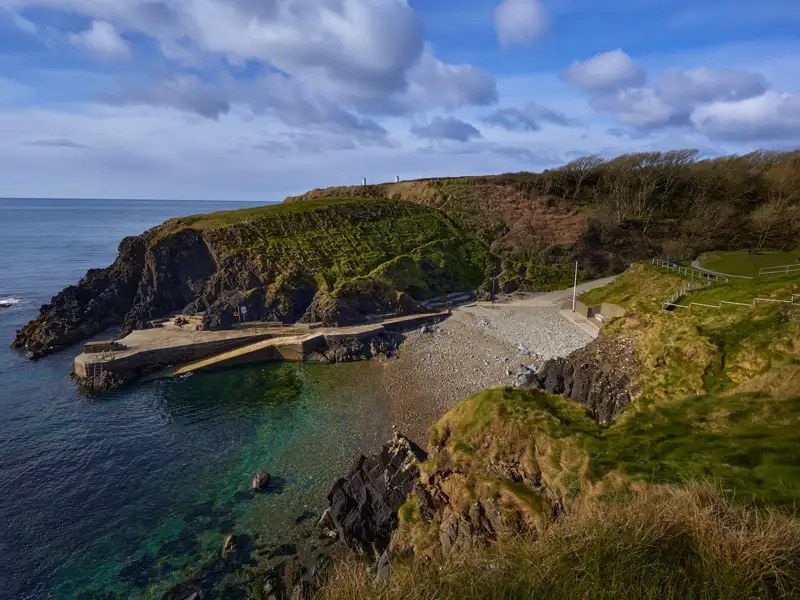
[
  {"x": 101, "y": 299},
  {"x": 333, "y": 262}
]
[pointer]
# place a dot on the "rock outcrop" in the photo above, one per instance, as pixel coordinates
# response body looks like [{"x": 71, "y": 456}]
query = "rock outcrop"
[
  {"x": 342, "y": 349},
  {"x": 598, "y": 376},
  {"x": 604, "y": 394},
  {"x": 334, "y": 264},
  {"x": 101, "y": 299},
  {"x": 364, "y": 504},
  {"x": 362, "y": 515}
]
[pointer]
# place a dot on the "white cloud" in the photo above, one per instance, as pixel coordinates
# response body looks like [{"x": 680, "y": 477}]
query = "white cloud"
[
  {"x": 676, "y": 94},
  {"x": 520, "y": 22},
  {"x": 703, "y": 84},
  {"x": 433, "y": 83},
  {"x": 604, "y": 71},
  {"x": 368, "y": 54},
  {"x": 769, "y": 117},
  {"x": 637, "y": 107},
  {"x": 103, "y": 39}
]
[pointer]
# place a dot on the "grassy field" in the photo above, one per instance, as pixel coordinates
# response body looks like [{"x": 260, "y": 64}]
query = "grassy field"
[{"x": 745, "y": 264}]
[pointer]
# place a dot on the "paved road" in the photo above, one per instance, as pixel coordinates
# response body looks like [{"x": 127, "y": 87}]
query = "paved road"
[
  {"x": 553, "y": 300},
  {"x": 556, "y": 298},
  {"x": 696, "y": 265}
]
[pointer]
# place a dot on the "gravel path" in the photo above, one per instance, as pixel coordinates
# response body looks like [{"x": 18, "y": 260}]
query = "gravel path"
[{"x": 476, "y": 348}]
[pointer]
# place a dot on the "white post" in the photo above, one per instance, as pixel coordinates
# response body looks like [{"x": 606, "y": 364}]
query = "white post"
[
  {"x": 397, "y": 178},
  {"x": 363, "y": 181},
  {"x": 575, "y": 287}
]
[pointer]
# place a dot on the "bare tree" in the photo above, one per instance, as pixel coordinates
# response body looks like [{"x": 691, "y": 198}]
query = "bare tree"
[{"x": 579, "y": 169}]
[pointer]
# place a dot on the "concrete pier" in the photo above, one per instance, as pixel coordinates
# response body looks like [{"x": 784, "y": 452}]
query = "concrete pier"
[{"x": 177, "y": 350}]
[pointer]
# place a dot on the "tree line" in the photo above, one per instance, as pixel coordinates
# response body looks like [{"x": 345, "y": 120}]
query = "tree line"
[{"x": 750, "y": 200}]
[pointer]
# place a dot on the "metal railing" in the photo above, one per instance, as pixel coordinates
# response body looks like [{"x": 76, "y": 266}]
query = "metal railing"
[
  {"x": 691, "y": 272},
  {"x": 781, "y": 270}
]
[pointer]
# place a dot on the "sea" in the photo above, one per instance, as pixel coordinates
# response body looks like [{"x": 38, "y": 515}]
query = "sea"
[{"x": 124, "y": 494}]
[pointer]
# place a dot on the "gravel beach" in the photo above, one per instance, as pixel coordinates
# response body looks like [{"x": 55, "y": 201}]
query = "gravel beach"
[{"x": 479, "y": 346}]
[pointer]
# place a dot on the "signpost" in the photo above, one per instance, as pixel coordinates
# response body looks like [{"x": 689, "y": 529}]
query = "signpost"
[{"x": 243, "y": 311}]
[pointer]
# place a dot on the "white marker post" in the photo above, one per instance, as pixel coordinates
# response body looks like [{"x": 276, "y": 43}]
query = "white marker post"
[
  {"x": 397, "y": 178},
  {"x": 575, "y": 287},
  {"x": 363, "y": 181}
]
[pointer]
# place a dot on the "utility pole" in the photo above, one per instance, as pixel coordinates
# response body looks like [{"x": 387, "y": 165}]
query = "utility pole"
[{"x": 575, "y": 287}]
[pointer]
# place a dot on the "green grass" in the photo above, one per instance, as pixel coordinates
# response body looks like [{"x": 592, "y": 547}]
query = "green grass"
[
  {"x": 336, "y": 241},
  {"x": 643, "y": 287},
  {"x": 741, "y": 262},
  {"x": 749, "y": 444}
]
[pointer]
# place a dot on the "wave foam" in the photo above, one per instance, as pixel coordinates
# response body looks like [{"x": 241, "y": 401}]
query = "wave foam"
[{"x": 6, "y": 302}]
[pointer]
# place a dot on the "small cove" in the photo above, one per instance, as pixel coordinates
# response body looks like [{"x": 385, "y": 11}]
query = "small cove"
[{"x": 122, "y": 494}]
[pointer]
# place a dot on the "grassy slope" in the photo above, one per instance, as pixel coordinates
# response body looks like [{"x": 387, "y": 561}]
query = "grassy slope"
[
  {"x": 743, "y": 263},
  {"x": 339, "y": 240},
  {"x": 677, "y": 543},
  {"x": 719, "y": 406},
  {"x": 536, "y": 236}
]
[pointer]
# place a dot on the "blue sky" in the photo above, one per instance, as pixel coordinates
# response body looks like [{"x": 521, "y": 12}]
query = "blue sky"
[{"x": 257, "y": 99}]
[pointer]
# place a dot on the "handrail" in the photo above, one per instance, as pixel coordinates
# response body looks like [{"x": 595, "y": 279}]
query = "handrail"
[
  {"x": 688, "y": 270},
  {"x": 780, "y": 270}
]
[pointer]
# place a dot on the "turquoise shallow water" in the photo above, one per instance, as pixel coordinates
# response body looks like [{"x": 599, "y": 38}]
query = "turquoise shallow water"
[{"x": 120, "y": 495}]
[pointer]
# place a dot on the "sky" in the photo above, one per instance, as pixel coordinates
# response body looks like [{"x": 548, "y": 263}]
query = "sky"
[{"x": 258, "y": 99}]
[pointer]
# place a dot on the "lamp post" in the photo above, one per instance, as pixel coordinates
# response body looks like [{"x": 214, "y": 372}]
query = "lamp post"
[{"x": 575, "y": 287}]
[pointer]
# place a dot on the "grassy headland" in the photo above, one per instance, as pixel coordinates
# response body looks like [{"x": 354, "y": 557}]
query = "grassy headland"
[
  {"x": 342, "y": 239},
  {"x": 691, "y": 493},
  {"x": 606, "y": 214}
]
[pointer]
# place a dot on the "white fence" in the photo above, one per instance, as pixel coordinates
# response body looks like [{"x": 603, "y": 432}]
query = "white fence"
[
  {"x": 782, "y": 270},
  {"x": 665, "y": 264},
  {"x": 669, "y": 303}
]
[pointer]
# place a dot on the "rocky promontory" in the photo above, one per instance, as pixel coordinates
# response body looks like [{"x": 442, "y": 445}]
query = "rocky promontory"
[{"x": 333, "y": 262}]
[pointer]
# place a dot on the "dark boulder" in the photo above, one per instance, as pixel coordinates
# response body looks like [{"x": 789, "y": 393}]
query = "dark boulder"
[
  {"x": 604, "y": 393},
  {"x": 364, "y": 504},
  {"x": 235, "y": 548},
  {"x": 341, "y": 349},
  {"x": 260, "y": 482}
]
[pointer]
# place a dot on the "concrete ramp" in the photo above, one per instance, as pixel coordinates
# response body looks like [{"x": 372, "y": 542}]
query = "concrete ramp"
[{"x": 291, "y": 348}]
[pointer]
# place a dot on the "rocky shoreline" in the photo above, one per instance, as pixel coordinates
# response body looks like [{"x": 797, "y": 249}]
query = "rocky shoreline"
[{"x": 361, "y": 516}]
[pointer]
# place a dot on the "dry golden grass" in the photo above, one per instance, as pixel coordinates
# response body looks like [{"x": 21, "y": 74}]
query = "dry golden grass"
[{"x": 663, "y": 542}]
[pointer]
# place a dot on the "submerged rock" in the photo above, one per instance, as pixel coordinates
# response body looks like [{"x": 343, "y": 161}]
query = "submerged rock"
[{"x": 260, "y": 482}]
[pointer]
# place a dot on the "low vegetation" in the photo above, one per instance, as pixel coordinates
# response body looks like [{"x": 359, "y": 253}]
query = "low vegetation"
[
  {"x": 402, "y": 245},
  {"x": 664, "y": 543},
  {"x": 691, "y": 493}
]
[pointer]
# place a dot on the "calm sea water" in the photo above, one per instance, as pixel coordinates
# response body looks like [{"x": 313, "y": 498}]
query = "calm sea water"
[{"x": 120, "y": 495}]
